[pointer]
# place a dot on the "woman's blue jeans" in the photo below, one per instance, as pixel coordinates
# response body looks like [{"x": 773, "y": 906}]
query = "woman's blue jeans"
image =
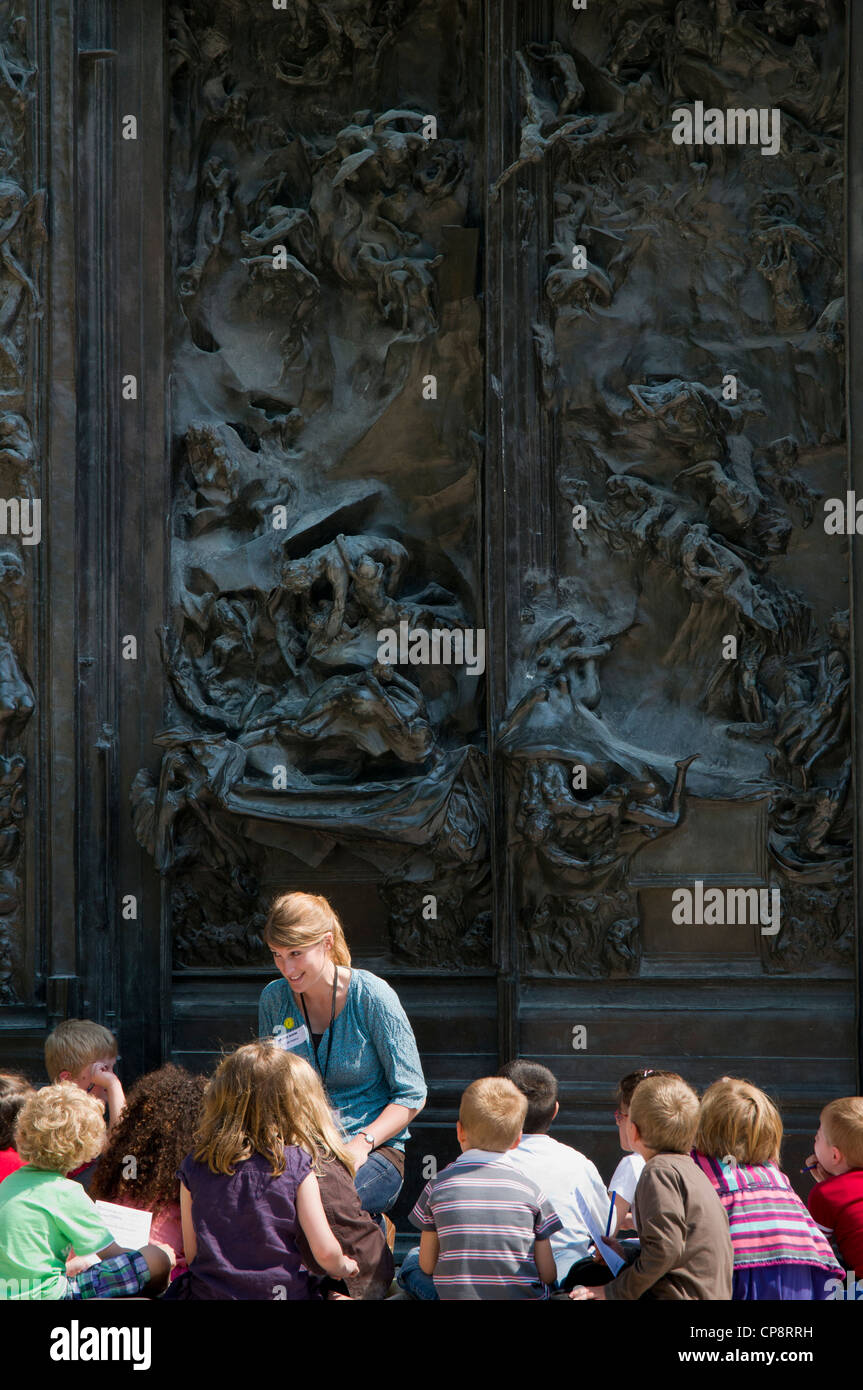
[{"x": 378, "y": 1184}]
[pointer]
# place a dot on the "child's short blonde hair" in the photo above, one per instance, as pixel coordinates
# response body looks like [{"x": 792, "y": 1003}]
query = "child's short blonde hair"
[
  {"x": 492, "y": 1113},
  {"x": 75, "y": 1043},
  {"x": 738, "y": 1121},
  {"x": 60, "y": 1129},
  {"x": 665, "y": 1109},
  {"x": 842, "y": 1123}
]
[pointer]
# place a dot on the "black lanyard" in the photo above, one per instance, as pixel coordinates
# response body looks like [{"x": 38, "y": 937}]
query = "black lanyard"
[{"x": 332, "y": 1021}]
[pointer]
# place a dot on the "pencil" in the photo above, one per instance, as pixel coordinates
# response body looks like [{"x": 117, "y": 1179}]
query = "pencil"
[{"x": 610, "y": 1215}]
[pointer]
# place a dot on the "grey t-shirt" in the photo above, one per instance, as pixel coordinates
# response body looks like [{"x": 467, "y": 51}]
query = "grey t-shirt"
[{"x": 369, "y": 1055}]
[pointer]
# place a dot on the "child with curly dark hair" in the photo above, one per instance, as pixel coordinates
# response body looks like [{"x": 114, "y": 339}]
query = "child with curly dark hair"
[
  {"x": 15, "y": 1091},
  {"x": 146, "y": 1147}
]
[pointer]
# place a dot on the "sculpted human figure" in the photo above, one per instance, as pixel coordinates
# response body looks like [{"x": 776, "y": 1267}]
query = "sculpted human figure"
[
  {"x": 18, "y": 451},
  {"x": 214, "y": 205},
  {"x": 825, "y": 723},
  {"x": 378, "y": 561},
  {"x": 291, "y": 227},
  {"x": 17, "y": 698},
  {"x": 635, "y": 506},
  {"x": 16, "y": 211},
  {"x": 566, "y": 666},
  {"x": 542, "y": 125}
]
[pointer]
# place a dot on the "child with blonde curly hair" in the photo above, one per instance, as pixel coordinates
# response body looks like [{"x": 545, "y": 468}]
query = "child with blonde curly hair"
[
  {"x": 44, "y": 1215},
  {"x": 779, "y": 1253}
]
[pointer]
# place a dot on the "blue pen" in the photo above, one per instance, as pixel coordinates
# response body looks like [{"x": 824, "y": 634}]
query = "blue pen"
[{"x": 610, "y": 1215}]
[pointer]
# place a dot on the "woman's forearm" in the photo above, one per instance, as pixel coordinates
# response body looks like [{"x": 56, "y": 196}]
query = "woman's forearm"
[{"x": 390, "y": 1122}]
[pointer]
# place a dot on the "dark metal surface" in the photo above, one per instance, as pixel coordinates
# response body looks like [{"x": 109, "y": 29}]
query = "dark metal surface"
[{"x": 256, "y": 742}]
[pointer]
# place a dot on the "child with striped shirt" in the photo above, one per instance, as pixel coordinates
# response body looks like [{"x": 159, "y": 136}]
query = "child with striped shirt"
[
  {"x": 485, "y": 1226},
  {"x": 779, "y": 1253}
]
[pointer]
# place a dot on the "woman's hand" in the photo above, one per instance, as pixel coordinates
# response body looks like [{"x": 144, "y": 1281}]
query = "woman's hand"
[
  {"x": 359, "y": 1151},
  {"x": 580, "y": 1293}
]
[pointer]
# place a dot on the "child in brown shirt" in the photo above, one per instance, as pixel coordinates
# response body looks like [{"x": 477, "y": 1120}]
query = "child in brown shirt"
[{"x": 685, "y": 1242}]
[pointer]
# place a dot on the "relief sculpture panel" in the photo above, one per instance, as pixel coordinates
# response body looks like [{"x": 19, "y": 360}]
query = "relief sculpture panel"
[
  {"x": 679, "y": 172},
  {"x": 22, "y": 235},
  {"x": 327, "y": 438}
]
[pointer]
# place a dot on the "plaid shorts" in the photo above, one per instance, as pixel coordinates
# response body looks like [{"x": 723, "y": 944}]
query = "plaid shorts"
[{"x": 119, "y": 1277}]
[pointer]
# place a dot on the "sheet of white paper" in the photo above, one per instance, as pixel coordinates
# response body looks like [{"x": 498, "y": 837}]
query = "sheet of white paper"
[
  {"x": 129, "y": 1227},
  {"x": 612, "y": 1259}
]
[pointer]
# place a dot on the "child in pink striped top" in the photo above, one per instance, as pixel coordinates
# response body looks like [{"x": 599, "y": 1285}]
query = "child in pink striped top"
[{"x": 779, "y": 1252}]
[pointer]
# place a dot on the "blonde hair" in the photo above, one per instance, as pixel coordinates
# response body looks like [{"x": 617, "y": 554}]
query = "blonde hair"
[
  {"x": 75, "y": 1043},
  {"x": 738, "y": 1121},
  {"x": 300, "y": 920},
  {"x": 492, "y": 1113},
  {"x": 665, "y": 1110},
  {"x": 261, "y": 1100},
  {"x": 842, "y": 1122},
  {"x": 60, "y": 1128}
]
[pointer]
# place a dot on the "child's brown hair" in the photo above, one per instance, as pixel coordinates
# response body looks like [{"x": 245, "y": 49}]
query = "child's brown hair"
[
  {"x": 738, "y": 1121},
  {"x": 157, "y": 1129},
  {"x": 261, "y": 1100},
  {"x": 76, "y": 1042},
  {"x": 15, "y": 1091},
  {"x": 626, "y": 1086}
]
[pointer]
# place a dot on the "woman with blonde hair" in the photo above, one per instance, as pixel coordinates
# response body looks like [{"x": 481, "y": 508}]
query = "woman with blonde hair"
[
  {"x": 779, "y": 1252},
  {"x": 350, "y": 1026}
]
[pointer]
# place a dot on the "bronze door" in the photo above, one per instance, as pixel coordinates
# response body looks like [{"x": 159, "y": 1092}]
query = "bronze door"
[{"x": 440, "y": 411}]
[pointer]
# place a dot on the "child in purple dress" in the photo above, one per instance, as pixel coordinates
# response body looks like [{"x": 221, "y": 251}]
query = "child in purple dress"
[
  {"x": 249, "y": 1189},
  {"x": 779, "y": 1252}
]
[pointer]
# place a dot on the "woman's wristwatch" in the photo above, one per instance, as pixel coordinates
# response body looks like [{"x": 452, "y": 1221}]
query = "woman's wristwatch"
[{"x": 369, "y": 1138}]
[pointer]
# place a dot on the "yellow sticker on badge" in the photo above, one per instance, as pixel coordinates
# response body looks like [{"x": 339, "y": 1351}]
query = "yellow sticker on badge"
[{"x": 289, "y": 1023}]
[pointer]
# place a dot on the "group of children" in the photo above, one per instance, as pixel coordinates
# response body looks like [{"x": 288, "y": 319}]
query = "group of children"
[{"x": 250, "y": 1187}]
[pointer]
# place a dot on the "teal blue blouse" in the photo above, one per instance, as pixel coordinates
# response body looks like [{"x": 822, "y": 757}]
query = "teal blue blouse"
[{"x": 370, "y": 1054}]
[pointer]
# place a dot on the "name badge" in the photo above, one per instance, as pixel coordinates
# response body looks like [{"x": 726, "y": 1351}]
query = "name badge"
[{"x": 289, "y": 1038}]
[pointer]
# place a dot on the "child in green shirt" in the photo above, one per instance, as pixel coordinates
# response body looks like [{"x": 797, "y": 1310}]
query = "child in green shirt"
[{"x": 44, "y": 1215}]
